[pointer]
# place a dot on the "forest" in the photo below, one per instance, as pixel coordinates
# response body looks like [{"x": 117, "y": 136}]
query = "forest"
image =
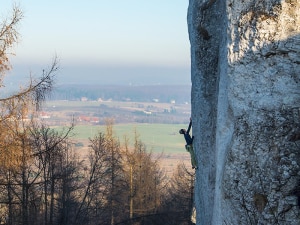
[{"x": 43, "y": 181}]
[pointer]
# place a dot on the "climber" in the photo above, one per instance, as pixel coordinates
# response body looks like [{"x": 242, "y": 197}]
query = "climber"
[{"x": 189, "y": 144}]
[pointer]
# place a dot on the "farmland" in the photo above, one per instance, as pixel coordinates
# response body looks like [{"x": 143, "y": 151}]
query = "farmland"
[
  {"x": 121, "y": 111},
  {"x": 157, "y": 137},
  {"x": 157, "y": 124}
]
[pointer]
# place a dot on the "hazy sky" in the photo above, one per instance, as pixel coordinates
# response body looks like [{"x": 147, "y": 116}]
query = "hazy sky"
[{"x": 104, "y": 39}]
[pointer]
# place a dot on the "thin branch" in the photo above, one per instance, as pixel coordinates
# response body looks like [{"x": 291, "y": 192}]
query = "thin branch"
[{"x": 40, "y": 88}]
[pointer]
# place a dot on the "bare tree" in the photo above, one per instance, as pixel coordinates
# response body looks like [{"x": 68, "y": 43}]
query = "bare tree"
[
  {"x": 115, "y": 174},
  {"x": 145, "y": 180},
  {"x": 104, "y": 197},
  {"x": 68, "y": 187},
  {"x": 92, "y": 203},
  {"x": 35, "y": 92},
  {"x": 16, "y": 153},
  {"x": 179, "y": 198},
  {"x": 8, "y": 37},
  {"x": 50, "y": 149}
]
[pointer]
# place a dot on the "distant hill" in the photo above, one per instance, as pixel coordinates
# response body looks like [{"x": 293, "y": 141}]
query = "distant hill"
[
  {"x": 142, "y": 93},
  {"x": 119, "y": 83},
  {"x": 104, "y": 75}
]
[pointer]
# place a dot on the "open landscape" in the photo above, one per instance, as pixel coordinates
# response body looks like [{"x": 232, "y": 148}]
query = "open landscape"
[
  {"x": 163, "y": 140},
  {"x": 156, "y": 123},
  {"x": 94, "y": 95}
]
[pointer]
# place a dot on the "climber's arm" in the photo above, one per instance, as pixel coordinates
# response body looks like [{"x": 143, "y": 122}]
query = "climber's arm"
[{"x": 189, "y": 128}]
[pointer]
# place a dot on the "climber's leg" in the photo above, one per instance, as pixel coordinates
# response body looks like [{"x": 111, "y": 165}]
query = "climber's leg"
[{"x": 190, "y": 149}]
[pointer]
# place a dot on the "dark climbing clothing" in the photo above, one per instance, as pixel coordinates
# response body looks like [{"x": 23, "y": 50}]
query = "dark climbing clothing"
[
  {"x": 189, "y": 145},
  {"x": 187, "y": 136}
]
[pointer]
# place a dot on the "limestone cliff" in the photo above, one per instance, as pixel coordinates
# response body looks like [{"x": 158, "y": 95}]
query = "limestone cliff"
[{"x": 245, "y": 57}]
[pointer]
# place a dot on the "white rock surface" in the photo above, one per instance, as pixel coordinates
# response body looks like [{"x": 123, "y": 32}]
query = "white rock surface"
[{"x": 245, "y": 57}]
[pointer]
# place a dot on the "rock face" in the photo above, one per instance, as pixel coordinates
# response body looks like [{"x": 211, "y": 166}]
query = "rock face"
[{"x": 245, "y": 57}]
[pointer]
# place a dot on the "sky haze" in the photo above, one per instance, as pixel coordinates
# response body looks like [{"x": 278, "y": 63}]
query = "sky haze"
[{"x": 96, "y": 40}]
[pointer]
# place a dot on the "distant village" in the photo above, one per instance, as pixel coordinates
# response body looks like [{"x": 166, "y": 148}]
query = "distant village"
[{"x": 85, "y": 111}]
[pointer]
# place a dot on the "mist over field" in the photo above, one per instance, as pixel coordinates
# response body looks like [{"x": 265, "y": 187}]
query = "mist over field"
[{"x": 103, "y": 74}]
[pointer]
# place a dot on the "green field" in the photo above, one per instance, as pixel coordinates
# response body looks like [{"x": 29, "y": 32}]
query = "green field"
[
  {"x": 158, "y": 131},
  {"x": 157, "y": 137}
]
